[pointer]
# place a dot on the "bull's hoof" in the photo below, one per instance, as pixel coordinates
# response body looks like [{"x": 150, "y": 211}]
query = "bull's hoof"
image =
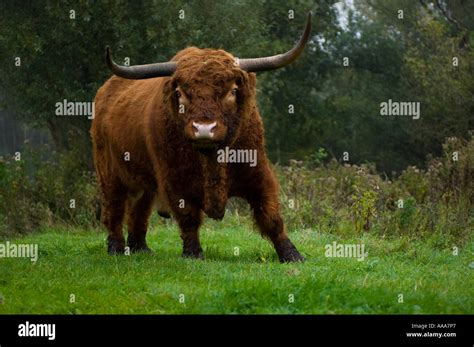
[
  {"x": 293, "y": 257},
  {"x": 192, "y": 247},
  {"x": 216, "y": 212},
  {"x": 140, "y": 249},
  {"x": 138, "y": 246},
  {"x": 288, "y": 253},
  {"x": 115, "y": 247},
  {"x": 193, "y": 254}
]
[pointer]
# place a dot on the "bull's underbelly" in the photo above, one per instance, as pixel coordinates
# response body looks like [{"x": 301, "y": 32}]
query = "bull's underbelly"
[{"x": 205, "y": 187}]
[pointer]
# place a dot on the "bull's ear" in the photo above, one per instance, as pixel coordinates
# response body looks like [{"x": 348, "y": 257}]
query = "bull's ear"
[
  {"x": 253, "y": 79},
  {"x": 169, "y": 86},
  {"x": 168, "y": 90},
  {"x": 247, "y": 91},
  {"x": 250, "y": 82},
  {"x": 174, "y": 84}
]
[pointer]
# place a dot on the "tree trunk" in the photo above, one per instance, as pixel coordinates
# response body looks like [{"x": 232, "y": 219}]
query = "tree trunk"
[{"x": 59, "y": 135}]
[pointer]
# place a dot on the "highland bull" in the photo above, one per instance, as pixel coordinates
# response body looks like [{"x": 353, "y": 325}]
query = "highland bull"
[{"x": 156, "y": 133}]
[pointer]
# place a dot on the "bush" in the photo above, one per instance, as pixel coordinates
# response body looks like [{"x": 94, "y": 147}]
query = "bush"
[
  {"x": 452, "y": 176},
  {"x": 36, "y": 190},
  {"x": 336, "y": 198},
  {"x": 354, "y": 199}
]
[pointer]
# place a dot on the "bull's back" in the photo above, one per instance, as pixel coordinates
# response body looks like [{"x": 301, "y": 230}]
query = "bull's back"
[{"x": 119, "y": 130}]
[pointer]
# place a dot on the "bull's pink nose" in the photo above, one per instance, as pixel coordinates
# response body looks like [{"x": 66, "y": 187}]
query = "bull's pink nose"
[{"x": 204, "y": 131}]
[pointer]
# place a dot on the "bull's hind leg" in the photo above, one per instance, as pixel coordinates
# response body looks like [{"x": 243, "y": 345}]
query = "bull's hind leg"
[
  {"x": 113, "y": 198},
  {"x": 138, "y": 214},
  {"x": 270, "y": 224},
  {"x": 263, "y": 198},
  {"x": 113, "y": 209}
]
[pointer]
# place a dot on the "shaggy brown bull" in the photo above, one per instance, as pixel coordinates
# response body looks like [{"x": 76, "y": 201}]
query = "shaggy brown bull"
[{"x": 158, "y": 132}]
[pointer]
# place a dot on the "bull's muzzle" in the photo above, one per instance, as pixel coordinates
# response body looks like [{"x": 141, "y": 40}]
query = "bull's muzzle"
[{"x": 204, "y": 131}]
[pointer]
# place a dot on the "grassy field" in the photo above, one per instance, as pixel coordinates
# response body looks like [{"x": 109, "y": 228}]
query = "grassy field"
[{"x": 74, "y": 261}]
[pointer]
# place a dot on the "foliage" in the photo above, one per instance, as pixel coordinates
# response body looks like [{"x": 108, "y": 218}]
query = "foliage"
[
  {"x": 66, "y": 60},
  {"x": 316, "y": 158},
  {"x": 416, "y": 203},
  {"x": 336, "y": 107},
  {"x": 363, "y": 209},
  {"x": 37, "y": 190}
]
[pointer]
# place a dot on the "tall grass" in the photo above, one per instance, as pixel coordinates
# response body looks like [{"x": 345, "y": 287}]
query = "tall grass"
[
  {"x": 416, "y": 202},
  {"x": 333, "y": 197}
]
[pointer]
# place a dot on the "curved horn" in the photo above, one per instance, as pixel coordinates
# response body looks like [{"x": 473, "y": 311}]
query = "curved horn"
[
  {"x": 279, "y": 60},
  {"x": 138, "y": 72}
]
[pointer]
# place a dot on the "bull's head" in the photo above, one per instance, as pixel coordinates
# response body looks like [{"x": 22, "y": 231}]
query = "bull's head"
[{"x": 210, "y": 90}]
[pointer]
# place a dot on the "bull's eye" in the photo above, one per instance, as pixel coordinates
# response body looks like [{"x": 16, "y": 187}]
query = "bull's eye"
[
  {"x": 178, "y": 93},
  {"x": 234, "y": 92}
]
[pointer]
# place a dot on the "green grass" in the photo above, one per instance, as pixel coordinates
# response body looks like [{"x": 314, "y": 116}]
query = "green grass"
[{"x": 74, "y": 261}]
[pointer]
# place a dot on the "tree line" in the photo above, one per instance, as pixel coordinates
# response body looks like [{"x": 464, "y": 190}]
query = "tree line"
[{"x": 325, "y": 105}]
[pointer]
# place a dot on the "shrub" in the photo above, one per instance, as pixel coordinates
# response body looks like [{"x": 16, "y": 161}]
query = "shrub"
[
  {"x": 438, "y": 200},
  {"x": 452, "y": 176},
  {"x": 332, "y": 197},
  {"x": 36, "y": 190}
]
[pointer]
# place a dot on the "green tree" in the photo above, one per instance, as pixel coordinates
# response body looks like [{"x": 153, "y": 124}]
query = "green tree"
[{"x": 61, "y": 47}]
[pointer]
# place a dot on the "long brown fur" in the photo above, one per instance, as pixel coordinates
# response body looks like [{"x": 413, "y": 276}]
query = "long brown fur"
[{"x": 140, "y": 118}]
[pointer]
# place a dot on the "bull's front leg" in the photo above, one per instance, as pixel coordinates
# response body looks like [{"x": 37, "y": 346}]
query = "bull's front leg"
[
  {"x": 189, "y": 225},
  {"x": 189, "y": 218},
  {"x": 263, "y": 198},
  {"x": 215, "y": 187}
]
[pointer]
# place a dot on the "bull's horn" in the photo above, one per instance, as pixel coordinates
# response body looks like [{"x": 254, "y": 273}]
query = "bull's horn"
[
  {"x": 138, "y": 72},
  {"x": 279, "y": 60}
]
